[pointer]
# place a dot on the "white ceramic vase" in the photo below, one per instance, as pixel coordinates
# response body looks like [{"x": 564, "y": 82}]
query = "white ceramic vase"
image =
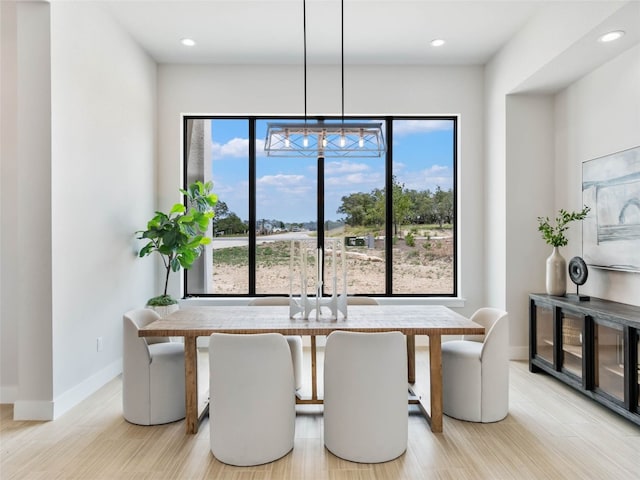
[
  {"x": 556, "y": 273},
  {"x": 165, "y": 310}
]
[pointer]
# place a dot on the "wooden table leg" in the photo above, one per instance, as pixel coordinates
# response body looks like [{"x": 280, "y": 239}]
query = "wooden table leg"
[
  {"x": 411, "y": 358},
  {"x": 191, "y": 384},
  {"x": 435, "y": 366},
  {"x": 314, "y": 380}
]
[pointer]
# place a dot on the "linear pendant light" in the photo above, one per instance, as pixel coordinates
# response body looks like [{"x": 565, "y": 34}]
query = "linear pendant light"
[{"x": 320, "y": 138}]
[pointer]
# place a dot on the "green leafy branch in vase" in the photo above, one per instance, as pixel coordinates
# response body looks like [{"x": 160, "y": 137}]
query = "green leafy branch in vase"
[{"x": 554, "y": 234}]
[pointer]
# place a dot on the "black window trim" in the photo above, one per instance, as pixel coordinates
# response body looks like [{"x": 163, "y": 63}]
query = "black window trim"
[{"x": 388, "y": 119}]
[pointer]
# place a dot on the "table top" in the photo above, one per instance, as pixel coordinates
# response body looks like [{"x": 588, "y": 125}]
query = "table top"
[{"x": 409, "y": 319}]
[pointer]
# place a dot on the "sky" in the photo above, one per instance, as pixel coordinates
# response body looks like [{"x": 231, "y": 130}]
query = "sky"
[{"x": 286, "y": 187}]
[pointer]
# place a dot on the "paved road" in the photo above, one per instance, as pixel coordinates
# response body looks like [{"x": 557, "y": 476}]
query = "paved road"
[{"x": 228, "y": 242}]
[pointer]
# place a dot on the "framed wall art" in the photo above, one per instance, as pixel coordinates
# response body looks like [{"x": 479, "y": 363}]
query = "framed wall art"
[{"x": 611, "y": 231}]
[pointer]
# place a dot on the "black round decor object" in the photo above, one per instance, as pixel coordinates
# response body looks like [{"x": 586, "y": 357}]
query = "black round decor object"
[{"x": 578, "y": 271}]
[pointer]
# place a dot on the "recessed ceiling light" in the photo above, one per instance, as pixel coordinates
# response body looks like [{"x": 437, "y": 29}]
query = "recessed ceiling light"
[
  {"x": 438, "y": 42},
  {"x": 187, "y": 42},
  {"x": 611, "y": 36}
]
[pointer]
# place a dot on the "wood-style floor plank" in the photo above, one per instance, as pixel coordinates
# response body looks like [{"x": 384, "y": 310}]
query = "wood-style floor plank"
[{"x": 551, "y": 432}]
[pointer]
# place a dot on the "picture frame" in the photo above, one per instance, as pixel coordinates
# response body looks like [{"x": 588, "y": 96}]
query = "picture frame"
[{"x": 611, "y": 230}]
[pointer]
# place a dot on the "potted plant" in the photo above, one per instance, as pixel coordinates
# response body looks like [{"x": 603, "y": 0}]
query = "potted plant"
[
  {"x": 180, "y": 235},
  {"x": 556, "y": 275}
]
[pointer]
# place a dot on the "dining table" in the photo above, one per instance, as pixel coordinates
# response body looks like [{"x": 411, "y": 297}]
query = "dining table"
[{"x": 434, "y": 321}]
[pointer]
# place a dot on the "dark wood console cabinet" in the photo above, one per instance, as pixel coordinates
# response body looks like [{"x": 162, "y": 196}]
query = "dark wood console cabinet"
[{"x": 593, "y": 346}]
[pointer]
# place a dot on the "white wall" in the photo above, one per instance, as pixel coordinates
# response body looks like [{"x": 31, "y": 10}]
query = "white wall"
[
  {"x": 8, "y": 194},
  {"x": 520, "y": 157},
  {"x": 103, "y": 184},
  {"x": 596, "y": 116},
  {"x": 529, "y": 175},
  {"x": 369, "y": 90},
  {"x": 26, "y": 212},
  {"x": 85, "y": 174}
]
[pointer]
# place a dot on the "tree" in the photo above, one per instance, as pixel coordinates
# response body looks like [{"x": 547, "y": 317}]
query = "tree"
[
  {"x": 443, "y": 206},
  {"x": 401, "y": 204},
  {"x": 355, "y": 206},
  {"x": 421, "y": 206},
  {"x": 231, "y": 225},
  {"x": 221, "y": 211}
]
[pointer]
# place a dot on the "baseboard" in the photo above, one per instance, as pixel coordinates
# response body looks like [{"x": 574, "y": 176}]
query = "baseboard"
[
  {"x": 50, "y": 410},
  {"x": 8, "y": 393},
  {"x": 72, "y": 397},
  {"x": 33, "y": 410}
]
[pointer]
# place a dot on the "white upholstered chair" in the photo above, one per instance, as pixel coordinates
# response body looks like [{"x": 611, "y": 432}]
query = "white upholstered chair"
[
  {"x": 294, "y": 341},
  {"x": 411, "y": 339},
  {"x": 475, "y": 371},
  {"x": 252, "y": 407},
  {"x": 152, "y": 373},
  {"x": 365, "y": 396}
]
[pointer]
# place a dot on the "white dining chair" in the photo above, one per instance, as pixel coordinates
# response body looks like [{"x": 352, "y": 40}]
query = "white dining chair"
[
  {"x": 365, "y": 396},
  {"x": 153, "y": 373},
  {"x": 294, "y": 341},
  {"x": 252, "y": 407},
  {"x": 411, "y": 339},
  {"x": 475, "y": 371}
]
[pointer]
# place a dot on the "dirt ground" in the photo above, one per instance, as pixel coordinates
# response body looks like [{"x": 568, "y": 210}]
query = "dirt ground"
[{"x": 419, "y": 269}]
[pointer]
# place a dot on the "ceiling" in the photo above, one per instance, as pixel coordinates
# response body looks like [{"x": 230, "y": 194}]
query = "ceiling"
[
  {"x": 376, "y": 32},
  {"x": 388, "y": 32}
]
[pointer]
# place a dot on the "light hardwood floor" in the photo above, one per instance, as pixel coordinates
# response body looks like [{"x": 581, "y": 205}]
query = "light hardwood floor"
[{"x": 551, "y": 432}]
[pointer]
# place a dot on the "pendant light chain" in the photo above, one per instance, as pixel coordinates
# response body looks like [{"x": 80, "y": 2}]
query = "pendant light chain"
[
  {"x": 304, "y": 33},
  {"x": 318, "y": 138},
  {"x": 342, "y": 49}
]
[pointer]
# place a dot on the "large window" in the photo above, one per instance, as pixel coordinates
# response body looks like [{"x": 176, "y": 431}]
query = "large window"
[{"x": 396, "y": 213}]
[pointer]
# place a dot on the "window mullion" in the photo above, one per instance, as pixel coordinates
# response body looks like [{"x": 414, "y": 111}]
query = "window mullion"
[
  {"x": 252, "y": 206},
  {"x": 389, "y": 209}
]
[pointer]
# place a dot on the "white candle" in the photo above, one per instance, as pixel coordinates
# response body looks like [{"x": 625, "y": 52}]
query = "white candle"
[
  {"x": 344, "y": 268},
  {"x": 334, "y": 259},
  {"x": 303, "y": 259},
  {"x": 291, "y": 251},
  {"x": 319, "y": 263}
]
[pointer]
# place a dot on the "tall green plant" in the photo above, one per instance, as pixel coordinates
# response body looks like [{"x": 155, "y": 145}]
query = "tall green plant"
[
  {"x": 554, "y": 234},
  {"x": 180, "y": 235}
]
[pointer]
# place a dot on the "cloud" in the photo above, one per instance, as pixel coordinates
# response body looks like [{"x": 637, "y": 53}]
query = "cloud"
[
  {"x": 280, "y": 180},
  {"x": 290, "y": 185},
  {"x": 336, "y": 167},
  {"x": 234, "y": 148},
  {"x": 370, "y": 180},
  {"x": 430, "y": 178},
  {"x": 407, "y": 127}
]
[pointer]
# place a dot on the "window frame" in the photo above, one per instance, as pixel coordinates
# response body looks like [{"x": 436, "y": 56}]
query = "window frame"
[{"x": 388, "y": 163}]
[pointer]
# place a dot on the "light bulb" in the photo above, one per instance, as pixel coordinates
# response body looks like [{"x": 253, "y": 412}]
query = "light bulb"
[
  {"x": 343, "y": 141},
  {"x": 361, "y": 142},
  {"x": 305, "y": 140},
  {"x": 611, "y": 36},
  {"x": 287, "y": 142}
]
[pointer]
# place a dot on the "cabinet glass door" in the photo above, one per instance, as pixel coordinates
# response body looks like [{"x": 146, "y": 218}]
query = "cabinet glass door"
[
  {"x": 544, "y": 333},
  {"x": 572, "y": 326},
  {"x": 609, "y": 351}
]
